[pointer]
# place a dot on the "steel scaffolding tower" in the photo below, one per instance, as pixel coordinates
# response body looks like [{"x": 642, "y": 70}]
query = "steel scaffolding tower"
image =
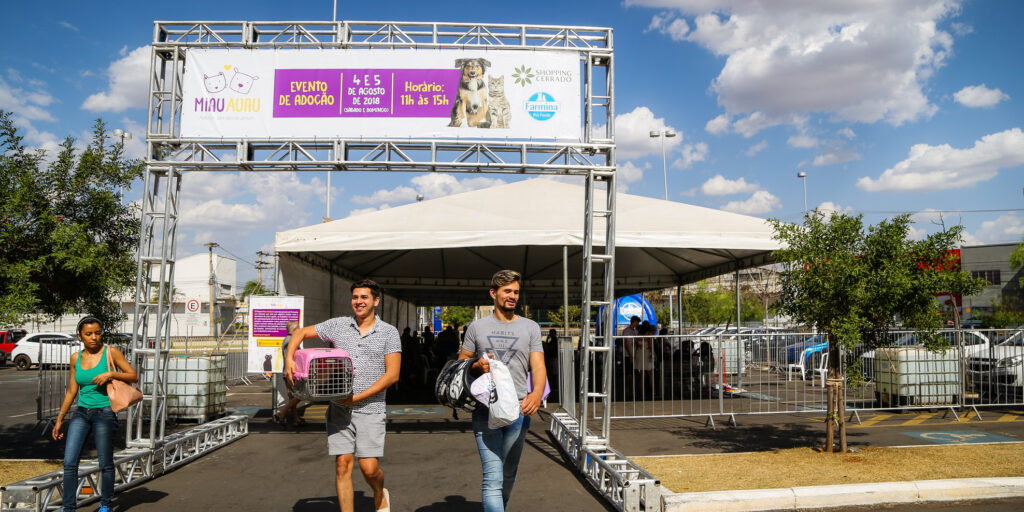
[{"x": 170, "y": 154}]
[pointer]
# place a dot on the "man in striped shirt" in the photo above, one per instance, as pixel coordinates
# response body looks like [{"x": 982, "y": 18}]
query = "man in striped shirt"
[{"x": 355, "y": 428}]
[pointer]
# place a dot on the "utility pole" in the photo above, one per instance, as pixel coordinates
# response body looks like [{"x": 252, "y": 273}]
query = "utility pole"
[
  {"x": 213, "y": 296},
  {"x": 260, "y": 265}
]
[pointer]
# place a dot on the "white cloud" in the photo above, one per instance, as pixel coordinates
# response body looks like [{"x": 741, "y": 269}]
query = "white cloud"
[
  {"x": 761, "y": 201},
  {"x": 855, "y": 61},
  {"x": 829, "y": 208},
  {"x": 128, "y": 86},
  {"x": 361, "y": 211},
  {"x": 757, "y": 148},
  {"x": 944, "y": 167},
  {"x": 136, "y": 147},
  {"x": 431, "y": 186},
  {"x": 27, "y": 104},
  {"x": 979, "y": 96},
  {"x": 676, "y": 28},
  {"x": 628, "y": 172},
  {"x": 67, "y": 25},
  {"x": 847, "y": 133},
  {"x": 633, "y": 134},
  {"x": 691, "y": 153},
  {"x": 749, "y": 125},
  {"x": 721, "y": 186},
  {"x": 718, "y": 125},
  {"x": 836, "y": 156},
  {"x": 1005, "y": 228},
  {"x": 802, "y": 140}
]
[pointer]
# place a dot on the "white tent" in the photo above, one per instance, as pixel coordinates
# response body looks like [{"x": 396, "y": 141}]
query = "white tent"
[{"x": 443, "y": 251}]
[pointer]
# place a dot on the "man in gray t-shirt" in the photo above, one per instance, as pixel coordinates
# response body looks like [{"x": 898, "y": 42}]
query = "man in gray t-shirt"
[
  {"x": 516, "y": 342},
  {"x": 510, "y": 342}
]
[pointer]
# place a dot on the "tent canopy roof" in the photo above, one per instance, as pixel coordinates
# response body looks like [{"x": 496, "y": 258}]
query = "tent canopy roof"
[{"x": 443, "y": 251}]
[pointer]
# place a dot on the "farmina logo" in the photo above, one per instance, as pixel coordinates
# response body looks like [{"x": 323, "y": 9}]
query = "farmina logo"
[{"x": 542, "y": 106}]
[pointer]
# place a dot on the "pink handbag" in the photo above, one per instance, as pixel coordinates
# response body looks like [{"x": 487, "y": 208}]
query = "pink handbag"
[
  {"x": 122, "y": 394},
  {"x": 322, "y": 374}
]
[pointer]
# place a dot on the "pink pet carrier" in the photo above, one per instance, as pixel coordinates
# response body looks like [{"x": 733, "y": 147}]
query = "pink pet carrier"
[{"x": 322, "y": 374}]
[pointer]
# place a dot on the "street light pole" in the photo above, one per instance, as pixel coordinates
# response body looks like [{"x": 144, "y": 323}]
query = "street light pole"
[
  {"x": 662, "y": 134},
  {"x": 803, "y": 177}
]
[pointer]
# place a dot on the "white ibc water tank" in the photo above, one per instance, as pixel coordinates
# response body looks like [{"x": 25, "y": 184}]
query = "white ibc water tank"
[
  {"x": 916, "y": 376},
  {"x": 196, "y": 386}
]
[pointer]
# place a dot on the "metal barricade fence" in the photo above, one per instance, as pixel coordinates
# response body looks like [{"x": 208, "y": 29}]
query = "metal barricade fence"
[
  {"x": 54, "y": 374},
  {"x": 766, "y": 371}
]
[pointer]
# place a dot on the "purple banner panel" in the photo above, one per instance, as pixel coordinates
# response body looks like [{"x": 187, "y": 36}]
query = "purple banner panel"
[
  {"x": 365, "y": 92},
  {"x": 307, "y": 92},
  {"x": 272, "y": 322}
]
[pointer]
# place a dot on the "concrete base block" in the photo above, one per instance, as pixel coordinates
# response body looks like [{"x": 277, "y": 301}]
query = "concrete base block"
[
  {"x": 969, "y": 489},
  {"x": 729, "y": 501},
  {"x": 823, "y": 496}
]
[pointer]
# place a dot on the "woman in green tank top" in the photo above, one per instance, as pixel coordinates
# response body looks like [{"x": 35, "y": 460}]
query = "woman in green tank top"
[{"x": 89, "y": 378}]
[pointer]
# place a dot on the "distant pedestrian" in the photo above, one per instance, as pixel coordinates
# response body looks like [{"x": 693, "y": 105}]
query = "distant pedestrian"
[{"x": 293, "y": 403}]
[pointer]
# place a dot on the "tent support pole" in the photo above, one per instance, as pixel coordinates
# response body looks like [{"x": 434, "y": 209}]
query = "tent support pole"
[{"x": 565, "y": 290}]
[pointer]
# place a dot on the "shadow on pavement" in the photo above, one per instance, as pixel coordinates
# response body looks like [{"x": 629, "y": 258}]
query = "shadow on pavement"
[
  {"x": 758, "y": 437},
  {"x": 452, "y": 504},
  {"x": 138, "y": 497}
]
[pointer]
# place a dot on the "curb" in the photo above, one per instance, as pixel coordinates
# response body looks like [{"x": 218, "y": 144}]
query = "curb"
[{"x": 824, "y": 496}]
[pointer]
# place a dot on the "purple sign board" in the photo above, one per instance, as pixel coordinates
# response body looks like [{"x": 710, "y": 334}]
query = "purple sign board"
[
  {"x": 365, "y": 92},
  {"x": 268, "y": 323}
]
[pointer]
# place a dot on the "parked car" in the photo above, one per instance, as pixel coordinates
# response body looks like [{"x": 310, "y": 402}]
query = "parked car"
[
  {"x": 1000, "y": 370},
  {"x": 8, "y": 340},
  {"x": 44, "y": 348}
]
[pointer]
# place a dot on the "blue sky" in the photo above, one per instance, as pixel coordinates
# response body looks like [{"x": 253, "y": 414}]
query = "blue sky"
[{"x": 887, "y": 106}]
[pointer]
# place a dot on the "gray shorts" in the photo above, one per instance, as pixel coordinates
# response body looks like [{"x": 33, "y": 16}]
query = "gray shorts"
[{"x": 361, "y": 434}]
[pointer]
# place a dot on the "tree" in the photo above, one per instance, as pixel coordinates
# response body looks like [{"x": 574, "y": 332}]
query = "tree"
[
  {"x": 254, "y": 287},
  {"x": 461, "y": 315},
  {"x": 1017, "y": 260},
  {"x": 856, "y": 284},
  {"x": 66, "y": 240},
  {"x": 556, "y": 316}
]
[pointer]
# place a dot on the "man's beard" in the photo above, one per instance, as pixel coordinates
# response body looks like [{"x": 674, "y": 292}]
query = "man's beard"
[{"x": 507, "y": 309}]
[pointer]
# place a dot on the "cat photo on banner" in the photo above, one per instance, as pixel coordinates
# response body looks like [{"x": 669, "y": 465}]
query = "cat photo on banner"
[{"x": 481, "y": 101}]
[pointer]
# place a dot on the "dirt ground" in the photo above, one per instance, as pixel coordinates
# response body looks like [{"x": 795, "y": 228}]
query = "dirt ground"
[
  {"x": 806, "y": 466},
  {"x": 15, "y": 470}
]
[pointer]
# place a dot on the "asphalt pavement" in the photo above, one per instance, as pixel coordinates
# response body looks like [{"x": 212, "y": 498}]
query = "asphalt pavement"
[{"x": 431, "y": 463}]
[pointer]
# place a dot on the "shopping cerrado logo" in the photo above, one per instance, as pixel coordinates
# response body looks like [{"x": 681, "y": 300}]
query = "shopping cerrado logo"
[{"x": 523, "y": 75}]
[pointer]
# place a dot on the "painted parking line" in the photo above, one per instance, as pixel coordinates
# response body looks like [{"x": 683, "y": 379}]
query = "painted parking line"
[
  {"x": 1008, "y": 417},
  {"x": 959, "y": 437},
  {"x": 878, "y": 418},
  {"x": 22, "y": 414},
  {"x": 921, "y": 418}
]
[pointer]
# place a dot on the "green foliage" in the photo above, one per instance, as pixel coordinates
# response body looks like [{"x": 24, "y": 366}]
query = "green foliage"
[
  {"x": 856, "y": 284},
  {"x": 1017, "y": 260},
  {"x": 66, "y": 241},
  {"x": 706, "y": 306},
  {"x": 254, "y": 287},
  {"x": 575, "y": 312},
  {"x": 1004, "y": 314},
  {"x": 461, "y": 315}
]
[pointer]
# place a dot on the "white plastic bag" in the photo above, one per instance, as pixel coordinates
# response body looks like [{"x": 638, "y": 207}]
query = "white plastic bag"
[{"x": 504, "y": 408}]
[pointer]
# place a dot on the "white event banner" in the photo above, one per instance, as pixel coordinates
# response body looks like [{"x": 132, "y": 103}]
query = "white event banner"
[
  {"x": 490, "y": 94},
  {"x": 268, "y": 326}
]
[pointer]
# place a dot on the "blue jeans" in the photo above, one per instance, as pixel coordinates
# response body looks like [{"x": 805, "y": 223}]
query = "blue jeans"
[
  {"x": 103, "y": 423},
  {"x": 500, "y": 449}
]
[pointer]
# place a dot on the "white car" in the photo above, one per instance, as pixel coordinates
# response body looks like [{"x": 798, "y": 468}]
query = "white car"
[
  {"x": 47, "y": 348},
  {"x": 999, "y": 371}
]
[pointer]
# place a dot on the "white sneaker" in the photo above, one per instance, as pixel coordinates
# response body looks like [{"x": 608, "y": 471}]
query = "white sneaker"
[{"x": 387, "y": 498}]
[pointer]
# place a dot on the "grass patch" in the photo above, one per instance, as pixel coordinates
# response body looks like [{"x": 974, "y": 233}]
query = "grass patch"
[
  {"x": 14, "y": 470},
  {"x": 807, "y": 466}
]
